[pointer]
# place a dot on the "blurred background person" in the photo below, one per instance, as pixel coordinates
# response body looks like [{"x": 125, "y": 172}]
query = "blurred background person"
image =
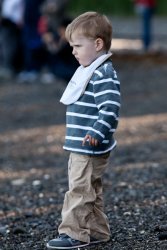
[
  {"x": 41, "y": 21},
  {"x": 34, "y": 51},
  {"x": 11, "y": 23},
  {"x": 55, "y": 11},
  {"x": 61, "y": 63},
  {"x": 146, "y": 9}
]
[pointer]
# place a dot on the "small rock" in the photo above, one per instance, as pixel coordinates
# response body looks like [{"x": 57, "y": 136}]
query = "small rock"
[
  {"x": 127, "y": 213},
  {"x": 36, "y": 183},
  {"x": 51, "y": 200},
  {"x": 122, "y": 184},
  {"x": 46, "y": 176},
  {"x": 4, "y": 230},
  {"x": 142, "y": 232},
  {"x": 41, "y": 195},
  {"x": 18, "y": 182}
]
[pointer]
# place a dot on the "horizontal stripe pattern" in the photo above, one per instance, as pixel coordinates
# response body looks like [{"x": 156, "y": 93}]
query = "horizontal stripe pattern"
[
  {"x": 81, "y": 139},
  {"x": 95, "y": 113},
  {"x": 105, "y": 80},
  {"x": 108, "y": 102},
  {"x": 86, "y": 104},
  {"x": 98, "y": 73},
  {"x": 107, "y": 92},
  {"x": 94, "y": 152},
  {"x": 81, "y": 115}
]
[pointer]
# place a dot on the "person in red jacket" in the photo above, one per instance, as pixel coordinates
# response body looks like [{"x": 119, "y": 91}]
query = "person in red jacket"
[{"x": 146, "y": 9}]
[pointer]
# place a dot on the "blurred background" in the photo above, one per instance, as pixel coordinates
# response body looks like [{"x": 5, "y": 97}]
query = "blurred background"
[
  {"x": 32, "y": 37},
  {"x": 112, "y": 7},
  {"x": 128, "y": 22}
]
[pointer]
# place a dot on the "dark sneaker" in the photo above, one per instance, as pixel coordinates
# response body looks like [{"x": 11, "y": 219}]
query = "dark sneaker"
[{"x": 65, "y": 242}]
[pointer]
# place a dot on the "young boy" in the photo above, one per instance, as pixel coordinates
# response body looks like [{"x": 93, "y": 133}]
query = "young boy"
[{"x": 93, "y": 102}]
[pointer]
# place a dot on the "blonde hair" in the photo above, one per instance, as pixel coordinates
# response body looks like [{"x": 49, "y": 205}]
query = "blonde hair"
[{"x": 92, "y": 25}]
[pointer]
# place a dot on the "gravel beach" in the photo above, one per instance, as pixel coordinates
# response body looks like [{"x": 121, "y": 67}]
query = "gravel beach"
[{"x": 33, "y": 165}]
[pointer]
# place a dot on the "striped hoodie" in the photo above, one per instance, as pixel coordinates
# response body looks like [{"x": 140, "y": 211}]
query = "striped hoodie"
[{"x": 95, "y": 113}]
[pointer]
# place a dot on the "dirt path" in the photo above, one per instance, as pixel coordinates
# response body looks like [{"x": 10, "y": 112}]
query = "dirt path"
[{"x": 33, "y": 176}]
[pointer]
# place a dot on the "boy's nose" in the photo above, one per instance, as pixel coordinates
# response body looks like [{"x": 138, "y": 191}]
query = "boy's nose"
[{"x": 74, "y": 52}]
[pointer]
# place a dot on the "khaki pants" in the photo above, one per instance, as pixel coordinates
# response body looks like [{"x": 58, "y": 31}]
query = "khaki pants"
[{"x": 82, "y": 213}]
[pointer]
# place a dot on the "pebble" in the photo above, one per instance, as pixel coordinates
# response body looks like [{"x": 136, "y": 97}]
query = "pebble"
[
  {"x": 4, "y": 230},
  {"x": 36, "y": 183},
  {"x": 46, "y": 177},
  {"x": 142, "y": 232},
  {"x": 137, "y": 176},
  {"x": 18, "y": 182},
  {"x": 127, "y": 213}
]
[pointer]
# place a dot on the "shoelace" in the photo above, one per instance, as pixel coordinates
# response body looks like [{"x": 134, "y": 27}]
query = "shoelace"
[
  {"x": 73, "y": 240},
  {"x": 63, "y": 236}
]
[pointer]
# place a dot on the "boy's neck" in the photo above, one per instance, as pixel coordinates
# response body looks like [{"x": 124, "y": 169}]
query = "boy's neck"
[{"x": 101, "y": 53}]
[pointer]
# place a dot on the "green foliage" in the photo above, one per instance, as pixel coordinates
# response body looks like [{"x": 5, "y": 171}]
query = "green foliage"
[
  {"x": 162, "y": 7},
  {"x": 111, "y": 7}
]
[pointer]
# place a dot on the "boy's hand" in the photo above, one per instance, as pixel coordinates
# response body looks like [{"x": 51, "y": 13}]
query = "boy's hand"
[{"x": 92, "y": 141}]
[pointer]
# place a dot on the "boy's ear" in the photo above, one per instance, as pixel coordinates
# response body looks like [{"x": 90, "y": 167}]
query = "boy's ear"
[{"x": 99, "y": 44}]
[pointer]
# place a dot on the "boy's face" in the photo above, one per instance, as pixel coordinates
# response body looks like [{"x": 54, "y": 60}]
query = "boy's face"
[{"x": 86, "y": 50}]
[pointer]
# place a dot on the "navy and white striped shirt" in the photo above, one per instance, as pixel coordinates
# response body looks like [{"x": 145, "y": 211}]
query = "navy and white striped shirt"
[{"x": 95, "y": 113}]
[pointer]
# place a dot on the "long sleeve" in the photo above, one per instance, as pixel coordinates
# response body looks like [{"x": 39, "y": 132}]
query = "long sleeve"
[
  {"x": 106, "y": 91},
  {"x": 95, "y": 113}
]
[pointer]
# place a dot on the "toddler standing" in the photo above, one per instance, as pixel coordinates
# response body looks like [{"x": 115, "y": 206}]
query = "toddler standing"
[{"x": 93, "y": 102}]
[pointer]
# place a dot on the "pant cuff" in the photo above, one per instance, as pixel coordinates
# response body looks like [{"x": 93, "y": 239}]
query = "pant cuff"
[{"x": 76, "y": 236}]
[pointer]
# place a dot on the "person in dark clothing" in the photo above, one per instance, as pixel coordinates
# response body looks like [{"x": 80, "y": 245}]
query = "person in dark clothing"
[
  {"x": 61, "y": 62},
  {"x": 11, "y": 22},
  {"x": 34, "y": 50},
  {"x": 146, "y": 9},
  {"x": 55, "y": 11}
]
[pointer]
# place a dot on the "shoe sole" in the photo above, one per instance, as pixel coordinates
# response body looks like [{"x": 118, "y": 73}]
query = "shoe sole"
[{"x": 72, "y": 247}]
